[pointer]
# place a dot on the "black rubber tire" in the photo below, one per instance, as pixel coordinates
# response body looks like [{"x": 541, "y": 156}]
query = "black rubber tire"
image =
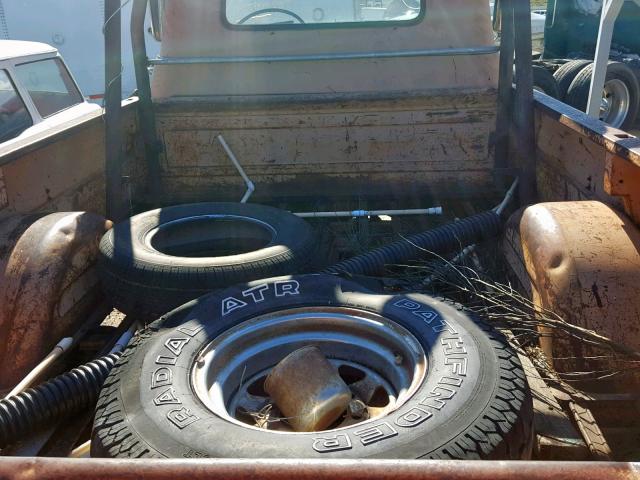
[
  {"x": 543, "y": 79},
  {"x": 483, "y": 411},
  {"x": 578, "y": 93},
  {"x": 140, "y": 280},
  {"x": 566, "y": 73}
]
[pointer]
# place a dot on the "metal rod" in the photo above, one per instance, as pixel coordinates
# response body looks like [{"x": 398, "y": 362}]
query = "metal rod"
[
  {"x": 505, "y": 85},
  {"x": 433, "y": 52},
  {"x": 61, "y": 347},
  {"x": 525, "y": 140},
  {"x": 115, "y": 201},
  {"x": 610, "y": 11},
  {"x": 371, "y": 213},
  {"x": 147, "y": 117},
  {"x": 250, "y": 186},
  {"x": 280, "y": 469}
]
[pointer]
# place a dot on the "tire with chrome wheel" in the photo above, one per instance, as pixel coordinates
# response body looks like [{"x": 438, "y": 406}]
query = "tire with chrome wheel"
[
  {"x": 160, "y": 259},
  {"x": 431, "y": 381},
  {"x": 620, "y": 97}
]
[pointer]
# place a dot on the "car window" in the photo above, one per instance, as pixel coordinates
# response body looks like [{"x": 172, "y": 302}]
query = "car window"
[
  {"x": 319, "y": 12},
  {"x": 14, "y": 117},
  {"x": 49, "y": 85}
]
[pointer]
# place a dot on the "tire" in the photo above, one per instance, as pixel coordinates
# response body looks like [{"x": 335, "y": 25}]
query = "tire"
[
  {"x": 160, "y": 259},
  {"x": 566, "y": 73},
  {"x": 543, "y": 80},
  {"x": 472, "y": 403},
  {"x": 578, "y": 93}
]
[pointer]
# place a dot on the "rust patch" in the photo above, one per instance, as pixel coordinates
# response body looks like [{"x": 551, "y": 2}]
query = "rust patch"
[
  {"x": 50, "y": 254},
  {"x": 281, "y": 469}
]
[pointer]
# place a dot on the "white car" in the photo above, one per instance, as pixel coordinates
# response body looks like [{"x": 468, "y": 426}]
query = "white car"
[{"x": 37, "y": 92}]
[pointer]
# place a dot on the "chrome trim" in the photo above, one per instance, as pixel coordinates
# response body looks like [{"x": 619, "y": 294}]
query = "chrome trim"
[{"x": 433, "y": 52}]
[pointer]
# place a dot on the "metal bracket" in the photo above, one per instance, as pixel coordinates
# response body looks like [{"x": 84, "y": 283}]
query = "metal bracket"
[{"x": 610, "y": 11}]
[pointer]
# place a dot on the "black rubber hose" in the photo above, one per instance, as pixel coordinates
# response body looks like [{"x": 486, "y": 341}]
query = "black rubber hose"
[
  {"x": 68, "y": 393},
  {"x": 446, "y": 238}
]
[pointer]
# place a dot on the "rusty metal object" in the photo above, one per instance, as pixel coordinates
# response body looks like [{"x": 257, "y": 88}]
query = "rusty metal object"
[
  {"x": 622, "y": 178},
  {"x": 47, "y": 288},
  {"x": 26, "y": 468},
  {"x": 308, "y": 390},
  {"x": 583, "y": 262}
]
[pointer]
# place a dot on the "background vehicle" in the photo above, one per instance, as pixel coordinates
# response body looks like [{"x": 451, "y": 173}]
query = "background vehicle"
[
  {"x": 38, "y": 92},
  {"x": 570, "y": 37}
]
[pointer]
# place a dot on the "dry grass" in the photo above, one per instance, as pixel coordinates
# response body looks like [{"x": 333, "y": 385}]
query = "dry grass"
[{"x": 464, "y": 280}]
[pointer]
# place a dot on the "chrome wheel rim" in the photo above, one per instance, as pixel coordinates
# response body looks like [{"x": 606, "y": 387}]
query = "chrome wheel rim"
[
  {"x": 382, "y": 363},
  {"x": 616, "y": 100}
]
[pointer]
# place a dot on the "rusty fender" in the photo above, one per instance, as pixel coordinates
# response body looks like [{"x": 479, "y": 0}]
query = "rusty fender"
[
  {"x": 25, "y": 468},
  {"x": 51, "y": 254}
]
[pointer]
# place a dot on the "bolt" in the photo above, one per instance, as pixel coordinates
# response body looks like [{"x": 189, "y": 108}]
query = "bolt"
[
  {"x": 397, "y": 358},
  {"x": 357, "y": 408}
]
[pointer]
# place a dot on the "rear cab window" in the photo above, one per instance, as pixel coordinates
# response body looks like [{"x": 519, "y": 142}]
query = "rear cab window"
[
  {"x": 270, "y": 13},
  {"x": 14, "y": 117},
  {"x": 49, "y": 84}
]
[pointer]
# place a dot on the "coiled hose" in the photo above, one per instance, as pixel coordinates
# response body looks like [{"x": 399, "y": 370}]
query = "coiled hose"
[
  {"x": 443, "y": 239},
  {"x": 68, "y": 393}
]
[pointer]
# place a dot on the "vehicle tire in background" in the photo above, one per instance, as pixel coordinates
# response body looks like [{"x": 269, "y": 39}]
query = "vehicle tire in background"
[
  {"x": 621, "y": 95},
  {"x": 461, "y": 390},
  {"x": 160, "y": 259},
  {"x": 543, "y": 81},
  {"x": 566, "y": 73}
]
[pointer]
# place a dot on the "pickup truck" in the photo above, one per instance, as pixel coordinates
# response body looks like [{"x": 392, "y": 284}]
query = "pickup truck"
[
  {"x": 38, "y": 92},
  {"x": 322, "y": 242}
]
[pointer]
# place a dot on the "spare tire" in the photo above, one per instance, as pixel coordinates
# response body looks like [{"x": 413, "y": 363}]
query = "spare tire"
[
  {"x": 621, "y": 94},
  {"x": 185, "y": 386},
  {"x": 160, "y": 259}
]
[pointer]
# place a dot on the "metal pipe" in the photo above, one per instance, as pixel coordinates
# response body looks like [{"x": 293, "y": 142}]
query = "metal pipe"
[
  {"x": 60, "y": 349},
  {"x": 319, "y": 57},
  {"x": 523, "y": 103},
  {"x": 81, "y": 451},
  {"x": 115, "y": 201},
  {"x": 505, "y": 86},
  {"x": 250, "y": 186},
  {"x": 280, "y": 469},
  {"x": 124, "y": 339},
  {"x": 62, "y": 346},
  {"x": 507, "y": 198},
  {"x": 371, "y": 213},
  {"x": 610, "y": 11},
  {"x": 147, "y": 117}
]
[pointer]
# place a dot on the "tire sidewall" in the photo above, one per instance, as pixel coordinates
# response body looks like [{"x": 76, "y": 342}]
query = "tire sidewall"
[
  {"x": 131, "y": 246},
  {"x": 461, "y": 378}
]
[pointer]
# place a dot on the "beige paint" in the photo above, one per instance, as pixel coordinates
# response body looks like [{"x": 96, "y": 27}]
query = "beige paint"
[
  {"x": 571, "y": 165},
  {"x": 195, "y": 28},
  {"x": 582, "y": 260},
  {"x": 61, "y": 170},
  {"x": 429, "y": 144}
]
